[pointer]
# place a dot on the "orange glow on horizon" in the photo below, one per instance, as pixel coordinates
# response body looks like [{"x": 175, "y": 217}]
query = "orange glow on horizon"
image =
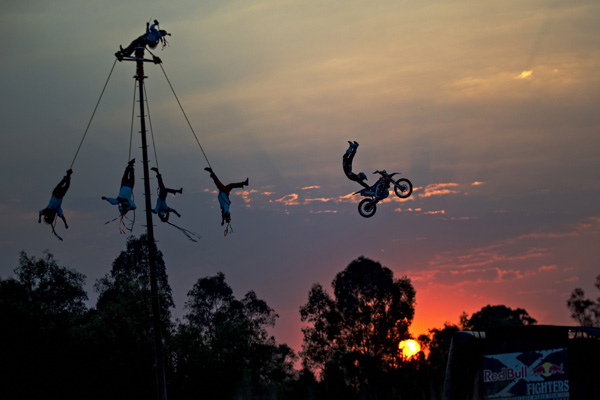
[{"x": 410, "y": 348}]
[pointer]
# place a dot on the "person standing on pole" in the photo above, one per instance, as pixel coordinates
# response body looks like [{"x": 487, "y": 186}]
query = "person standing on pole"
[{"x": 151, "y": 38}]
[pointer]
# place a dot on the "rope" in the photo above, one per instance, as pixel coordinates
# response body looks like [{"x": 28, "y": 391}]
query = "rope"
[
  {"x": 53, "y": 231},
  {"x": 121, "y": 223},
  {"x": 228, "y": 229},
  {"x": 122, "y": 227},
  {"x": 132, "y": 119},
  {"x": 150, "y": 124},
  {"x": 125, "y": 227},
  {"x": 129, "y": 159},
  {"x": 92, "y": 117},
  {"x": 187, "y": 233},
  {"x": 186, "y": 117}
]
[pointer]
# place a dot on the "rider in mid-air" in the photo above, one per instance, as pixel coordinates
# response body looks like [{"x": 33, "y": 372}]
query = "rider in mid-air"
[{"x": 347, "y": 164}]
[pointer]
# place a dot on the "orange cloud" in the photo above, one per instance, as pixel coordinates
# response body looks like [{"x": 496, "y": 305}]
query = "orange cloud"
[
  {"x": 525, "y": 75},
  {"x": 289, "y": 200},
  {"x": 319, "y": 199},
  {"x": 483, "y": 257},
  {"x": 349, "y": 198},
  {"x": 509, "y": 275},
  {"x": 439, "y": 189},
  {"x": 245, "y": 195},
  {"x": 435, "y": 212},
  {"x": 545, "y": 235},
  {"x": 294, "y": 199}
]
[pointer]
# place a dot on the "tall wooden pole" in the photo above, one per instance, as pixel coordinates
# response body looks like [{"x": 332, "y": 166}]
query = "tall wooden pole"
[{"x": 158, "y": 344}]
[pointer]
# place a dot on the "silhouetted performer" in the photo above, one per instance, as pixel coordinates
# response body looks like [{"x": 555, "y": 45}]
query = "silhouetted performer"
[
  {"x": 162, "y": 209},
  {"x": 124, "y": 199},
  {"x": 347, "y": 164},
  {"x": 223, "y": 196},
  {"x": 54, "y": 207},
  {"x": 151, "y": 38}
]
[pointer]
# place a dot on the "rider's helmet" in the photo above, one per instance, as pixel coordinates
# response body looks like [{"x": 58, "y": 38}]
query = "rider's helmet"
[{"x": 362, "y": 176}]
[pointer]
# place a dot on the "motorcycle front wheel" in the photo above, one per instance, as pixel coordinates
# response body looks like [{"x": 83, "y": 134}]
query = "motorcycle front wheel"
[
  {"x": 367, "y": 208},
  {"x": 403, "y": 188}
]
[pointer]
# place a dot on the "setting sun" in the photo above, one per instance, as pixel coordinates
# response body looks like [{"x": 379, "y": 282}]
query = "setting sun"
[{"x": 410, "y": 348}]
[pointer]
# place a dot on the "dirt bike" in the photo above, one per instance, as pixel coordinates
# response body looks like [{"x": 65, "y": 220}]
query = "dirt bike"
[{"x": 381, "y": 190}]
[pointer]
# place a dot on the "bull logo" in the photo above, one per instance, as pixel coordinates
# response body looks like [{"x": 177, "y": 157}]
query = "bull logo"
[{"x": 548, "y": 369}]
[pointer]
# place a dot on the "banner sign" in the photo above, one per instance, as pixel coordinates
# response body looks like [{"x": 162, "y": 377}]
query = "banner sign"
[{"x": 527, "y": 375}]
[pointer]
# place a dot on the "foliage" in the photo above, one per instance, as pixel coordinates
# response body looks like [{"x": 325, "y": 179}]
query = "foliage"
[
  {"x": 57, "y": 291},
  {"x": 497, "y": 316},
  {"x": 53, "y": 346},
  {"x": 119, "y": 331},
  {"x": 224, "y": 350},
  {"x": 439, "y": 348},
  {"x": 130, "y": 276},
  {"x": 352, "y": 339},
  {"x": 585, "y": 311},
  {"x": 38, "y": 312}
]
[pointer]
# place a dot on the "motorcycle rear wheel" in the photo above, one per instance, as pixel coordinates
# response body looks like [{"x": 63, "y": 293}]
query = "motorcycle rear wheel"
[
  {"x": 403, "y": 188},
  {"x": 367, "y": 208}
]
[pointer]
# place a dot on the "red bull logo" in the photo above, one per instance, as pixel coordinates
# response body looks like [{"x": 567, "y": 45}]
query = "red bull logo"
[
  {"x": 547, "y": 369},
  {"x": 506, "y": 374},
  {"x": 535, "y": 374}
]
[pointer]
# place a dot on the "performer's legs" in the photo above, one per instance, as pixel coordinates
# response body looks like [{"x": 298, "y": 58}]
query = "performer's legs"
[
  {"x": 219, "y": 184},
  {"x": 61, "y": 189},
  {"x": 136, "y": 43},
  {"x": 161, "y": 184},
  {"x": 128, "y": 178},
  {"x": 238, "y": 185}
]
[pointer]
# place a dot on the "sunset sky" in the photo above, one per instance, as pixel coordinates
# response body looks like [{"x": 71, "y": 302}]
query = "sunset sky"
[{"x": 490, "y": 108}]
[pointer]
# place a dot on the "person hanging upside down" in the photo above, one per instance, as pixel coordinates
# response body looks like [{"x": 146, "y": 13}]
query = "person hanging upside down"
[
  {"x": 54, "y": 207},
  {"x": 124, "y": 199},
  {"x": 162, "y": 209},
  {"x": 347, "y": 164},
  {"x": 151, "y": 38},
  {"x": 223, "y": 195}
]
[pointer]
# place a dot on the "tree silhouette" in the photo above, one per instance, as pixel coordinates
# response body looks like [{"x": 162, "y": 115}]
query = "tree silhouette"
[
  {"x": 119, "y": 331},
  {"x": 439, "y": 347},
  {"x": 585, "y": 311},
  {"x": 496, "y": 317},
  {"x": 39, "y": 313},
  {"x": 352, "y": 339},
  {"x": 224, "y": 350}
]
